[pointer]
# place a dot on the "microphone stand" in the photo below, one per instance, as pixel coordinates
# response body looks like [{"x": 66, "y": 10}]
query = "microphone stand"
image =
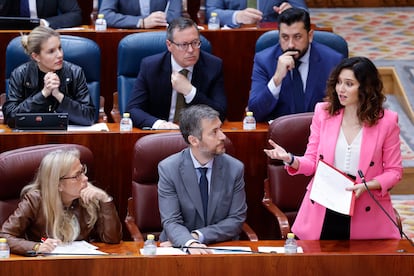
[{"x": 361, "y": 174}]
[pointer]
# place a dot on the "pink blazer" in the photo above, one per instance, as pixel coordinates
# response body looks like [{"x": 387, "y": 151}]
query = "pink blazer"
[{"x": 380, "y": 159}]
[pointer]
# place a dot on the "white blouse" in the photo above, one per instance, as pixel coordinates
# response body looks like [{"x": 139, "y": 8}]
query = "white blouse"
[{"x": 347, "y": 155}]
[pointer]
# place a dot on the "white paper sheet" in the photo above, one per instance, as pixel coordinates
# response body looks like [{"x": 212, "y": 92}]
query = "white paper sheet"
[
  {"x": 94, "y": 127},
  {"x": 166, "y": 251},
  {"x": 77, "y": 247},
  {"x": 328, "y": 189},
  {"x": 274, "y": 249}
]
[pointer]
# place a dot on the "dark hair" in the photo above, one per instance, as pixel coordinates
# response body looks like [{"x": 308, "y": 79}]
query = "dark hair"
[
  {"x": 180, "y": 23},
  {"x": 370, "y": 91},
  {"x": 294, "y": 15},
  {"x": 190, "y": 120}
]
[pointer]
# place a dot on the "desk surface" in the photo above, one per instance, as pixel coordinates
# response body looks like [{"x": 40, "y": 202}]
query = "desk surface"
[{"x": 374, "y": 257}]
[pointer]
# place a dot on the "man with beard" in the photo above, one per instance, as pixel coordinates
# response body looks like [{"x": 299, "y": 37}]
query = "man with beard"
[
  {"x": 273, "y": 79},
  {"x": 192, "y": 217}
]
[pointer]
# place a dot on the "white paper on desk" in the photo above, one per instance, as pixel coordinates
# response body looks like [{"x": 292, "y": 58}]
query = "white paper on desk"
[
  {"x": 328, "y": 189},
  {"x": 166, "y": 251},
  {"x": 275, "y": 249},
  {"x": 77, "y": 247},
  {"x": 94, "y": 127}
]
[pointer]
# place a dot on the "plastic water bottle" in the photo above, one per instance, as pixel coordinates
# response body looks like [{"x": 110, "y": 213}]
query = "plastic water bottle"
[
  {"x": 4, "y": 249},
  {"x": 291, "y": 245},
  {"x": 214, "y": 22},
  {"x": 249, "y": 122},
  {"x": 126, "y": 123},
  {"x": 100, "y": 23},
  {"x": 150, "y": 247}
]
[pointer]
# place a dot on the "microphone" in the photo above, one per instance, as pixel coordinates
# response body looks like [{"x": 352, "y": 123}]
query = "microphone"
[
  {"x": 235, "y": 250},
  {"x": 361, "y": 174}
]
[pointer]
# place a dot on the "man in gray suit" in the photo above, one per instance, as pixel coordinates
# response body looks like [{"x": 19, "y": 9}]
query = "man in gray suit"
[{"x": 181, "y": 200}]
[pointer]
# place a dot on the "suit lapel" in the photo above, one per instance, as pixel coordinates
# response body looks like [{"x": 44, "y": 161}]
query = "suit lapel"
[
  {"x": 331, "y": 130},
  {"x": 369, "y": 140},
  {"x": 313, "y": 75},
  {"x": 190, "y": 182},
  {"x": 216, "y": 186}
]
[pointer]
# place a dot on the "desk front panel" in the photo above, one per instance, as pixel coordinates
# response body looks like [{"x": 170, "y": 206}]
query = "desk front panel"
[
  {"x": 320, "y": 258},
  {"x": 113, "y": 154}
]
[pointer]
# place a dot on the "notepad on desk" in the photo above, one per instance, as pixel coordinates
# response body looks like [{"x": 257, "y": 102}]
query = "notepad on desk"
[
  {"x": 94, "y": 127},
  {"x": 275, "y": 249}
]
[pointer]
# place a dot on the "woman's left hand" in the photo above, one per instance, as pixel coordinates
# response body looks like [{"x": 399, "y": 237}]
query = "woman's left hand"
[
  {"x": 358, "y": 189},
  {"x": 91, "y": 193}
]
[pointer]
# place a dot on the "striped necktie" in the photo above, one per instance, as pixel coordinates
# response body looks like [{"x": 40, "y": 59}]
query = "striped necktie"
[
  {"x": 252, "y": 4},
  {"x": 180, "y": 102}
]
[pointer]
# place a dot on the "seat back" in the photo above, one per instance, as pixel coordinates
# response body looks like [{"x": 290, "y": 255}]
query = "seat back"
[
  {"x": 332, "y": 40},
  {"x": 148, "y": 152},
  {"x": 19, "y": 166},
  {"x": 81, "y": 51},
  {"x": 286, "y": 191},
  {"x": 131, "y": 50}
]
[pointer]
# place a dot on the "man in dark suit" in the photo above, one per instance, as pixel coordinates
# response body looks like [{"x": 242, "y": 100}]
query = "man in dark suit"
[
  {"x": 140, "y": 13},
  {"x": 56, "y": 13},
  {"x": 201, "y": 189},
  {"x": 233, "y": 13},
  {"x": 272, "y": 92},
  {"x": 162, "y": 87}
]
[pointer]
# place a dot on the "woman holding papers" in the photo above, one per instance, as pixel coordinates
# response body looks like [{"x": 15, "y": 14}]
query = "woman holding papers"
[
  {"x": 351, "y": 131},
  {"x": 47, "y": 83},
  {"x": 60, "y": 205}
]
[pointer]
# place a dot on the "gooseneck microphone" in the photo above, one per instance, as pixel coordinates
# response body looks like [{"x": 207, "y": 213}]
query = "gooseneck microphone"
[{"x": 361, "y": 174}]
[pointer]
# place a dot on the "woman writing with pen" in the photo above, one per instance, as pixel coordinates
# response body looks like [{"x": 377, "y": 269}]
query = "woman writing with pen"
[{"x": 60, "y": 205}]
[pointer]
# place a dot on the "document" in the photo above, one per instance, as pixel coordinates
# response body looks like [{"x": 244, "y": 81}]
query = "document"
[
  {"x": 328, "y": 189},
  {"x": 94, "y": 127},
  {"x": 77, "y": 247},
  {"x": 275, "y": 249}
]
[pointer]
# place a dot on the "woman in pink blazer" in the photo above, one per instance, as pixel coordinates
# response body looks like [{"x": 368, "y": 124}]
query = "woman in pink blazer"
[{"x": 351, "y": 131}]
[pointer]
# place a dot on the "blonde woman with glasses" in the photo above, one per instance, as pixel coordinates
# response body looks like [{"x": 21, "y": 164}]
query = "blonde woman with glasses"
[{"x": 61, "y": 206}]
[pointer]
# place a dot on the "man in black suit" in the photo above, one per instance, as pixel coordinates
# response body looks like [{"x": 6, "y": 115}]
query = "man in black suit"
[
  {"x": 55, "y": 13},
  {"x": 162, "y": 80}
]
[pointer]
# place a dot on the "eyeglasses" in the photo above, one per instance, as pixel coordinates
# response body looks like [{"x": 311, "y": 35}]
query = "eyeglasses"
[
  {"x": 195, "y": 44},
  {"x": 78, "y": 175}
]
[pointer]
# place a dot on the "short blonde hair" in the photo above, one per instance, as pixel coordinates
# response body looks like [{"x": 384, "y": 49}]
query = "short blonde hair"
[{"x": 32, "y": 42}]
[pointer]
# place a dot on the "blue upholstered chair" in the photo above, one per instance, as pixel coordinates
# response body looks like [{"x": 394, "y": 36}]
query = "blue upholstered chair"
[
  {"x": 330, "y": 39},
  {"x": 81, "y": 51},
  {"x": 131, "y": 50}
]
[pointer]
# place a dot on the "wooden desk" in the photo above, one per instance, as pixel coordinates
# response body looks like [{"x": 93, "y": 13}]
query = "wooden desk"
[
  {"x": 113, "y": 154},
  {"x": 377, "y": 257},
  {"x": 235, "y": 47}
]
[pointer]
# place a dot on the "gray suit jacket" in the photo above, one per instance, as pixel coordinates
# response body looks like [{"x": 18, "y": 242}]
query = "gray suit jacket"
[
  {"x": 180, "y": 201},
  {"x": 127, "y": 13},
  {"x": 226, "y": 8}
]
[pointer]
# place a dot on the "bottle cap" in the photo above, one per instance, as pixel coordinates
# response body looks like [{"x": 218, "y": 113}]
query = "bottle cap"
[
  {"x": 126, "y": 115},
  {"x": 150, "y": 237},
  {"x": 213, "y": 14},
  {"x": 101, "y": 15},
  {"x": 3, "y": 240},
  {"x": 249, "y": 113},
  {"x": 291, "y": 236}
]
